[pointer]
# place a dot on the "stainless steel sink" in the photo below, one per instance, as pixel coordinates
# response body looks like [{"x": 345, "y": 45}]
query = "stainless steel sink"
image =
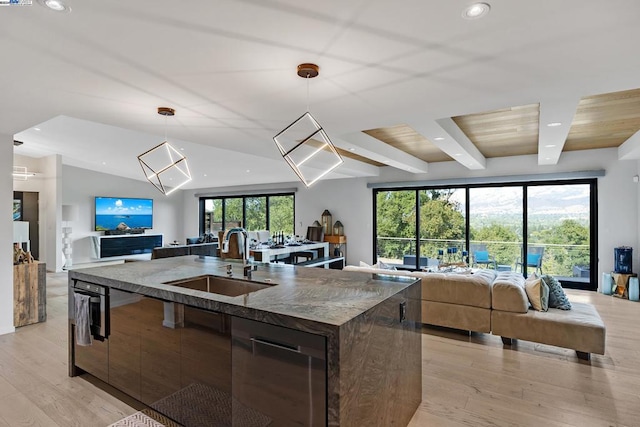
[{"x": 219, "y": 285}]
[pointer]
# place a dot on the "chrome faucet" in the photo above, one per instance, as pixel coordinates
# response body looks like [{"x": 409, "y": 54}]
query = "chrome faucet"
[{"x": 246, "y": 263}]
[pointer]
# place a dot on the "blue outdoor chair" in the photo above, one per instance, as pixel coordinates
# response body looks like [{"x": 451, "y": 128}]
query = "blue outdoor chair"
[
  {"x": 482, "y": 257},
  {"x": 533, "y": 260}
]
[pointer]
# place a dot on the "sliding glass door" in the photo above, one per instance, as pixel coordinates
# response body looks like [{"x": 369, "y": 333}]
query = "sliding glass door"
[
  {"x": 442, "y": 226},
  {"x": 489, "y": 226},
  {"x": 558, "y": 228},
  {"x": 495, "y": 224},
  {"x": 396, "y": 226}
]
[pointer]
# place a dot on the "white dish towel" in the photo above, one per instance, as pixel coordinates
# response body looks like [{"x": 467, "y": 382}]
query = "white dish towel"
[{"x": 83, "y": 319}]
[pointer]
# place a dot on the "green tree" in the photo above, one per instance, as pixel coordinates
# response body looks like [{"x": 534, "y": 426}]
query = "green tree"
[{"x": 281, "y": 214}]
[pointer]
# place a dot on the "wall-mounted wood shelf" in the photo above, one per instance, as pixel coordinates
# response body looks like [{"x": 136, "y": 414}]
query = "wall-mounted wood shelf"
[{"x": 335, "y": 240}]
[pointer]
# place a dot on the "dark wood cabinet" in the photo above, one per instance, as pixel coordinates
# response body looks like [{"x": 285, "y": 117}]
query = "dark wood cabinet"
[
  {"x": 124, "y": 342},
  {"x": 172, "y": 357}
]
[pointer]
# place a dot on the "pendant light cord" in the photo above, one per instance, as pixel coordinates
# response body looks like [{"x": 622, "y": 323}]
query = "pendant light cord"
[
  {"x": 165, "y": 128},
  {"x": 307, "y": 92}
]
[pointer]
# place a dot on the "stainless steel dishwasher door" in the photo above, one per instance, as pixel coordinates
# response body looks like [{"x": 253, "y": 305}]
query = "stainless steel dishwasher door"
[{"x": 278, "y": 373}]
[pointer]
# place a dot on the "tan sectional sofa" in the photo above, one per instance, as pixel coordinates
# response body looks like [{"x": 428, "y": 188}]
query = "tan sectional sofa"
[{"x": 497, "y": 303}]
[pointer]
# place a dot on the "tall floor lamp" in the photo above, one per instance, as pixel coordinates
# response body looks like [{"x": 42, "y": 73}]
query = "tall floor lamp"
[{"x": 69, "y": 214}]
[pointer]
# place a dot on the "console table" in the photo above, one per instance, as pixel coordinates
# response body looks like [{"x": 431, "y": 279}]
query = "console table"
[{"x": 124, "y": 245}]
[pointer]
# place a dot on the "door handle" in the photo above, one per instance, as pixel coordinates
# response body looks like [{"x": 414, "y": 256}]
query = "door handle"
[{"x": 274, "y": 344}]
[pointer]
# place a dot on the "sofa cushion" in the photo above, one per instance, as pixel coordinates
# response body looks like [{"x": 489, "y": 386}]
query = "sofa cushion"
[
  {"x": 464, "y": 289},
  {"x": 538, "y": 293},
  {"x": 508, "y": 293},
  {"x": 456, "y": 316},
  {"x": 579, "y": 329},
  {"x": 557, "y": 297}
]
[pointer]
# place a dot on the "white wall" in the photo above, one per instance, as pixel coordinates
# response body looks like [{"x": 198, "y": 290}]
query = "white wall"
[
  {"x": 47, "y": 184},
  {"x": 350, "y": 201},
  {"x": 6, "y": 235},
  {"x": 81, "y": 186}
]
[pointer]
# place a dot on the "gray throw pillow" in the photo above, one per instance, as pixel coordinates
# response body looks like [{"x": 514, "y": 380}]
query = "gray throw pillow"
[
  {"x": 557, "y": 297},
  {"x": 384, "y": 266}
]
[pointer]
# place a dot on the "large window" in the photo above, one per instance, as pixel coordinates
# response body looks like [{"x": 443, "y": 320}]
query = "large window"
[
  {"x": 442, "y": 225},
  {"x": 495, "y": 226},
  {"x": 396, "y": 225},
  {"x": 546, "y": 227},
  {"x": 263, "y": 212}
]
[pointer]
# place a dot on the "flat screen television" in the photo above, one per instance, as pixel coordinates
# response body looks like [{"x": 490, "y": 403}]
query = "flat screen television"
[{"x": 123, "y": 213}]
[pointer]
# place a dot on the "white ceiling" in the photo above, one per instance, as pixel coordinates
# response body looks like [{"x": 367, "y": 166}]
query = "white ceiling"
[{"x": 91, "y": 80}]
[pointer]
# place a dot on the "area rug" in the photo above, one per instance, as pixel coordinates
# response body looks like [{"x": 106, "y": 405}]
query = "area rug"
[
  {"x": 145, "y": 418},
  {"x": 199, "y": 405}
]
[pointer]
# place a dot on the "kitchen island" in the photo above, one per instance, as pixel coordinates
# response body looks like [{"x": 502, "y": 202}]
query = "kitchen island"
[{"x": 334, "y": 348}]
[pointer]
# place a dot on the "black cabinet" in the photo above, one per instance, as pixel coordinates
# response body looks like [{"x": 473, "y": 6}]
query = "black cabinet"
[{"x": 134, "y": 244}]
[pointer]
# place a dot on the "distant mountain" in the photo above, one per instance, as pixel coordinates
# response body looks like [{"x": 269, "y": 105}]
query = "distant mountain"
[{"x": 569, "y": 200}]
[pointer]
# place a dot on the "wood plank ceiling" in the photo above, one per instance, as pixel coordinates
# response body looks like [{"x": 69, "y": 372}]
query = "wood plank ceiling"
[
  {"x": 408, "y": 140},
  {"x": 600, "y": 121}
]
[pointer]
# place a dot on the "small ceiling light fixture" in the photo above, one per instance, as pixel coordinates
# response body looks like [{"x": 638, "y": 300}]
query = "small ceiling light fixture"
[
  {"x": 554, "y": 124},
  {"x": 549, "y": 145},
  {"x": 20, "y": 173},
  {"x": 476, "y": 11},
  {"x": 304, "y": 144},
  {"x": 438, "y": 138},
  {"x": 164, "y": 163},
  {"x": 55, "y": 5}
]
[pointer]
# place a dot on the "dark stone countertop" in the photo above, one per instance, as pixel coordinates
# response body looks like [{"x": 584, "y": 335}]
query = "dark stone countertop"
[{"x": 314, "y": 298}]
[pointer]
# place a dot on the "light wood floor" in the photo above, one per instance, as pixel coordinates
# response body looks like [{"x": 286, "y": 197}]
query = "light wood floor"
[{"x": 467, "y": 380}]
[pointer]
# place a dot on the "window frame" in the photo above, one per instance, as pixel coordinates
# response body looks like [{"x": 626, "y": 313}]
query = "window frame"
[
  {"x": 593, "y": 217},
  {"x": 244, "y": 197}
]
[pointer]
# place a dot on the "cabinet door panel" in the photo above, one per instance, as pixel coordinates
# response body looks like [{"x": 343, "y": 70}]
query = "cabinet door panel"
[
  {"x": 124, "y": 342},
  {"x": 160, "y": 330}
]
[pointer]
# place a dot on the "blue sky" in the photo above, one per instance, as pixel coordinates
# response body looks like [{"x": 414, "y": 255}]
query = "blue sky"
[{"x": 122, "y": 206}]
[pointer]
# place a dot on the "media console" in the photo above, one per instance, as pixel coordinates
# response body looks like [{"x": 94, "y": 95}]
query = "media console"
[{"x": 124, "y": 245}]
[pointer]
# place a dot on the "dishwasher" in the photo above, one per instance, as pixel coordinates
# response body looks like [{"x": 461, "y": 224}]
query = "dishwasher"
[{"x": 278, "y": 373}]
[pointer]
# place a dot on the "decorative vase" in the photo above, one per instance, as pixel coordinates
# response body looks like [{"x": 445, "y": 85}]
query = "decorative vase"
[{"x": 326, "y": 223}]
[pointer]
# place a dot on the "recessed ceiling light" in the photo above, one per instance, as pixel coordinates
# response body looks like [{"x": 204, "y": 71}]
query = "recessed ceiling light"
[
  {"x": 352, "y": 149},
  {"x": 476, "y": 11},
  {"x": 547, "y": 158},
  {"x": 38, "y": 129},
  {"x": 181, "y": 148},
  {"x": 458, "y": 154},
  {"x": 205, "y": 174},
  {"x": 438, "y": 138},
  {"x": 56, "y": 5},
  {"x": 104, "y": 163},
  {"x": 554, "y": 124},
  {"x": 248, "y": 170},
  {"x": 549, "y": 145}
]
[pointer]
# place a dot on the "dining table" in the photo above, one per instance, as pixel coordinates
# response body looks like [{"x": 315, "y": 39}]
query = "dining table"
[{"x": 271, "y": 253}]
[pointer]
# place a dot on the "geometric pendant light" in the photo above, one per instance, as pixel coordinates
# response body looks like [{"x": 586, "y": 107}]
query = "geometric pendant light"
[
  {"x": 304, "y": 144},
  {"x": 164, "y": 166}
]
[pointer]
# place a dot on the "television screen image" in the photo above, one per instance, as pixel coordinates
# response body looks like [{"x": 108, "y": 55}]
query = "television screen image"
[{"x": 119, "y": 213}]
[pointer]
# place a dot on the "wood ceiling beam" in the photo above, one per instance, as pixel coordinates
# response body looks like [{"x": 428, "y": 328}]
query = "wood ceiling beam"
[
  {"x": 551, "y": 139},
  {"x": 372, "y": 148}
]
